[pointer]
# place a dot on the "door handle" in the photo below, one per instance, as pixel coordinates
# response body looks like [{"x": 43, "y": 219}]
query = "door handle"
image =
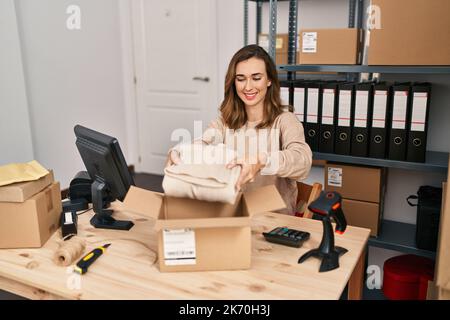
[{"x": 205, "y": 79}]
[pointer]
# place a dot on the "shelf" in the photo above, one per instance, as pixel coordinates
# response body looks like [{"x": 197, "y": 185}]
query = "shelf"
[
  {"x": 435, "y": 161},
  {"x": 266, "y": 0},
  {"x": 366, "y": 69},
  {"x": 399, "y": 236}
]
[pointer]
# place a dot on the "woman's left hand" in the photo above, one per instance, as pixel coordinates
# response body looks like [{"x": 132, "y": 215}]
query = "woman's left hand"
[{"x": 250, "y": 168}]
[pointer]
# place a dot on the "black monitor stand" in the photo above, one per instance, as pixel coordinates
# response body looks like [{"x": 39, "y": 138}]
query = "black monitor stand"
[{"x": 102, "y": 218}]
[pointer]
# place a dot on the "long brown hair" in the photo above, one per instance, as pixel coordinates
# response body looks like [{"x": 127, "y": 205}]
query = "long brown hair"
[{"x": 232, "y": 108}]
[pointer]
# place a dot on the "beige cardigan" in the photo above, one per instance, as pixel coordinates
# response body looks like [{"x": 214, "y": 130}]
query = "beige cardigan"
[{"x": 290, "y": 160}]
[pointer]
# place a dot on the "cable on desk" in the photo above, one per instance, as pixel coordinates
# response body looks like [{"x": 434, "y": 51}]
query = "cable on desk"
[{"x": 84, "y": 211}]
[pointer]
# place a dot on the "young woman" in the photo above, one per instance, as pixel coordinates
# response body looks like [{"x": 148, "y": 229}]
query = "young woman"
[{"x": 252, "y": 103}]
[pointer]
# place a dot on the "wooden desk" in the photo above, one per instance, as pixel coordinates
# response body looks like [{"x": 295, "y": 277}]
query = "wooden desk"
[{"x": 127, "y": 270}]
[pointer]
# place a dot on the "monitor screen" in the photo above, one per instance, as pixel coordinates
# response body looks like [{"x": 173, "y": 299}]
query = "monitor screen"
[{"x": 106, "y": 165}]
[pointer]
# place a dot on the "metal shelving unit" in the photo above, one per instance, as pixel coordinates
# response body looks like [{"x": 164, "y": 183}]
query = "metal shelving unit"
[
  {"x": 435, "y": 161},
  {"x": 366, "y": 69},
  {"x": 399, "y": 236},
  {"x": 394, "y": 235}
]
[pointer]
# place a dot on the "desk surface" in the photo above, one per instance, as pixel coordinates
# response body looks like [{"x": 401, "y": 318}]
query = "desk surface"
[{"x": 128, "y": 270}]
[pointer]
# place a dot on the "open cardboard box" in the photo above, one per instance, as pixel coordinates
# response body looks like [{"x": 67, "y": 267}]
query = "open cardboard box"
[{"x": 196, "y": 235}]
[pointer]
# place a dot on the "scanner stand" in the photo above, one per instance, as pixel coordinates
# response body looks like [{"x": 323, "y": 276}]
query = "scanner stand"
[
  {"x": 102, "y": 218},
  {"x": 327, "y": 251}
]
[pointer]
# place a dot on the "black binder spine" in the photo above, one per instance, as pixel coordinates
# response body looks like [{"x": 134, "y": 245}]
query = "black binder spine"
[
  {"x": 345, "y": 102},
  {"x": 400, "y": 106},
  {"x": 418, "y": 122},
  {"x": 328, "y": 117},
  {"x": 361, "y": 115},
  {"x": 312, "y": 115},
  {"x": 380, "y": 120}
]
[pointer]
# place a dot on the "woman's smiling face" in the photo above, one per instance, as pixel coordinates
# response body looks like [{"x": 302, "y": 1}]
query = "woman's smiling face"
[{"x": 251, "y": 81}]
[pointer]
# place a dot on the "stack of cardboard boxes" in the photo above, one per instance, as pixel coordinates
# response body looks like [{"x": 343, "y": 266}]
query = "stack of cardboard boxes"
[
  {"x": 29, "y": 212},
  {"x": 362, "y": 190},
  {"x": 401, "y": 32}
]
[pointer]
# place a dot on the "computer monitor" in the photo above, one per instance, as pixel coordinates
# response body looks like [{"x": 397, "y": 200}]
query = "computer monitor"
[{"x": 108, "y": 170}]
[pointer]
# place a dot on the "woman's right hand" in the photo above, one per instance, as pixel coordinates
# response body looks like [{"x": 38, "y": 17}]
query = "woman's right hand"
[{"x": 173, "y": 158}]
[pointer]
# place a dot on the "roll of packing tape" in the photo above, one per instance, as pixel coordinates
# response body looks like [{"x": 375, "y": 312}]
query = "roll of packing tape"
[{"x": 69, "y": 251}]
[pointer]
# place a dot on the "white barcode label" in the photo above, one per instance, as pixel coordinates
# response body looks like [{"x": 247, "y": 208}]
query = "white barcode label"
[
  {"x": 345, "y": 98},
  {"x": 68, "y": 218},
  {"x": 328, "y": 106},
  {"x": 419, "y": 111},
  {"x": 335, "y": 177},
  {"x": 313, "y": 105},
  {"x": 179, "y": 247},
  {"x": 284, "y": 95},
  {"x": 309, "y": 42},
  {"x": 399, "y": 110},
  {"x": 379, "y": 109},
  {"x": 362, "y": 99}
]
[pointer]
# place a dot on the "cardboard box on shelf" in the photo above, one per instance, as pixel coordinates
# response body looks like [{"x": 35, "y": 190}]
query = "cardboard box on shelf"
[
  {"x": 21, "y": 191},
  {"x": 30, "y": 224},
  {"x": 363, "y": 214},
  {"x": 197, "y": 235},
  {"x": 355, "y": 182},
  {"x": 329, "y": 46},
  {"x": 410, "y": 32}
]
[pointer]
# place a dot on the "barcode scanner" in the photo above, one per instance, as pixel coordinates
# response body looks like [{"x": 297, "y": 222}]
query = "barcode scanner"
[{"x": 329, "y": 206}]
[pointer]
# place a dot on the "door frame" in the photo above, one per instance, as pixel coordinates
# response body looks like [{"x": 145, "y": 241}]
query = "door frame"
[{"x": 127, "y": 21}]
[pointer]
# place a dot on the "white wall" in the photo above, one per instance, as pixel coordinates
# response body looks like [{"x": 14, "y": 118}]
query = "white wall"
[
  {"x": 72, "y": 77},
  {"x": 15, "y": 134}
]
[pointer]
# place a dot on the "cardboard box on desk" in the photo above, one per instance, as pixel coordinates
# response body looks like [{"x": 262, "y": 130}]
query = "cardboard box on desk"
[
  {"x": 21, "y": 191},
  {"x": 196, "y": 235},
  {"x": 30, "y": 224}
]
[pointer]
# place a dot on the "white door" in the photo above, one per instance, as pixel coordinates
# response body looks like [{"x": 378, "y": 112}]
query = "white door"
[{"x": 175, "y": 61}]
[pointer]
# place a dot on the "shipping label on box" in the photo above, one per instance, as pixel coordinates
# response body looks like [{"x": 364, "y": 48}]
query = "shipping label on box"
[
  {"x": 309, "y": 42},
  {"x": 335, "y": 176},
  {"x": 179, "y": 247}
]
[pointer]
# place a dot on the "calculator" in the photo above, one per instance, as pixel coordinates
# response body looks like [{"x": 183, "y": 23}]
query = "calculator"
[{"x": 286, "y": 236}]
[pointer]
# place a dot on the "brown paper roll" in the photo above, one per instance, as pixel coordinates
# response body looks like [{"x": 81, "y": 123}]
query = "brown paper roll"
[{"x": 69, "y": 251}]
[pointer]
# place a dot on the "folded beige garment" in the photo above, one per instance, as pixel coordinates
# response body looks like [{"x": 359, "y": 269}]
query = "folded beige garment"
[
  {"x": 209, "y": 182},
  {"x": 20, "y": 172}
]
